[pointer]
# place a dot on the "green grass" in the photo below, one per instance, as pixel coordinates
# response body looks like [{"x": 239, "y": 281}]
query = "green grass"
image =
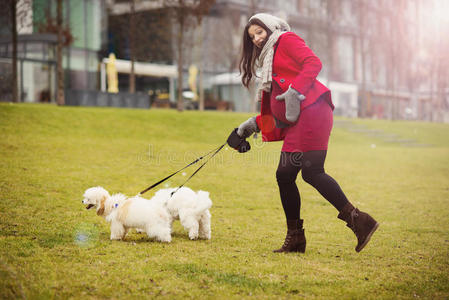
[{"x": 51, "y": 247}]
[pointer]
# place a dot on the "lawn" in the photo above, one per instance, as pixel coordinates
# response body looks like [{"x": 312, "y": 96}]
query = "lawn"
[{"x": 52, "y": 247}]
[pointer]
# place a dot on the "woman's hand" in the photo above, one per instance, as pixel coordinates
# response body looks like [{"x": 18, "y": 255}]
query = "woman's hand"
[
  {"x": 293, "y": 101},
  {"x": 247, "y": 128}
]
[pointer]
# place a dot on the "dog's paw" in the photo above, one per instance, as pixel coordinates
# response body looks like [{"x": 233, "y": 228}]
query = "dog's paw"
[
  {"x": 193, "y": 235},
  {"x": 164, "y": 239},
  {"x": 205, "y": 236}
]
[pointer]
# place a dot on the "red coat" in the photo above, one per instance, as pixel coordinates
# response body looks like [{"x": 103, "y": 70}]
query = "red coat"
[{"x": 293, "y": 63}]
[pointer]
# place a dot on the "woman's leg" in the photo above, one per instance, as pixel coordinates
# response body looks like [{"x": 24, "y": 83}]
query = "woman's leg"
[
  {"x": 361, "y": 223},
  {"x": 288, "y": 169},
  {"x": 314, "y": 174}
]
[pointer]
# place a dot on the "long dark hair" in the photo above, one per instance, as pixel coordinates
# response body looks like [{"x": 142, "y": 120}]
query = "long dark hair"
[{"x": 250, "y": 52}]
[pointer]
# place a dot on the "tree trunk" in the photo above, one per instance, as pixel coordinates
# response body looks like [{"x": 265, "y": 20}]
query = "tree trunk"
[
  {"x": 60, "y": 72},
  {"x": 201, "y": 87},
  {"x": 362, "y": 31},
  {"x": 132, "y": 36},
  {"x": 15, "y": 97},
  {"x": 364, "y": 105},
  {"x": 201, "y": 67},
  {"x": 181, "y": 20}
]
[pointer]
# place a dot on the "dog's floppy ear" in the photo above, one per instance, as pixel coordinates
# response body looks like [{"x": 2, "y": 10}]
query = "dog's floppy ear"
[{"x": 100, "y": 211}]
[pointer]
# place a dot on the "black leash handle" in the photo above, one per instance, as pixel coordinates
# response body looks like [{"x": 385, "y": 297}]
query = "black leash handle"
[{"x": 192, "y": 163}]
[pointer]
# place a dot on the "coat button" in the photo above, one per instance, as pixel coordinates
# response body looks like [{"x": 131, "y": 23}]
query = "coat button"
[
  {"x": 282, "y": 80},
  {"x": 274, "y": 75}
]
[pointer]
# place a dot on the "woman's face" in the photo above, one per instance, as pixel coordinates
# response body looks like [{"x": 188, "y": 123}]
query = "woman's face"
[{"x": 258, "y": 35}]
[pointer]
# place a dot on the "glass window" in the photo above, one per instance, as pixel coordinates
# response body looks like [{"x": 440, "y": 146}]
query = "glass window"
[
  {"x": 93, "y": 61},
  {"x": 77, "y": 19},
  {"x": 35, "y": 50},
  {"x": 20, "y": 50},
  {"x": 94, "y": 25},
  {"x": 77, "y": 59},
  {"x": 3, "y": 51},
  {"x": 5, "y": 79},
  {"x": 346, "y": 57},
  {"x": 38, "y": 82},
  {"x": 51, "y": 52}
]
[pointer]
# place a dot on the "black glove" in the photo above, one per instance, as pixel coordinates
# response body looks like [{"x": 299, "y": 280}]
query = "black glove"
[{"x": 237, "y": 142}]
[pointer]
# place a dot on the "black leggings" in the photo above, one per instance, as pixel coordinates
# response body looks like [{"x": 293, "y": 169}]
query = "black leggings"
[{"x": 312, "y": 165}]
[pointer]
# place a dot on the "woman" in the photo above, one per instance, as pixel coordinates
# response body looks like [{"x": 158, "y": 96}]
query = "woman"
[{"x": 295, "y": 108}]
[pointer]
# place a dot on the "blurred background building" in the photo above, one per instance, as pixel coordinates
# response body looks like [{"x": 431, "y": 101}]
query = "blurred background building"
[
  {"x": 84, "y": 30},
  {"x": 381, "y": 58}
]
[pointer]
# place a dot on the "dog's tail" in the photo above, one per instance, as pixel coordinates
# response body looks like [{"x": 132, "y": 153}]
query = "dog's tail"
[{"x": 204, "y": 201}]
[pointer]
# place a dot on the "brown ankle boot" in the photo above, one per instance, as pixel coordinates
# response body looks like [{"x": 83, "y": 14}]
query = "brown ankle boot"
[
  {"x": 295, "y": 241},
  {"x": 360, "y": 222}
]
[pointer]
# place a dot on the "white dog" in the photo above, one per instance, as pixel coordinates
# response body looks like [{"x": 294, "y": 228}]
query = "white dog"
[
  {"x": 124, "y": 213},
  {"x": 192, "y": 209}
]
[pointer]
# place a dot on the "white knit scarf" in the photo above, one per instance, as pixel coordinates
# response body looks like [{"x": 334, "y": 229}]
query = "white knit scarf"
[{"x": 265, "y": 63}]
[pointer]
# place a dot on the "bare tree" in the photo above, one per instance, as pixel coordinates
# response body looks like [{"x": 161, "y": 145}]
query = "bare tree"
[
  {"x": 56, "y": 26},
  {"x": 225, "y": 43},
  {"x": 181, "y": 20},
  {"x": 442, "y": 77},
  {"x": 362, "y": 12},
  {"x": 184, "y": 11},
  {"x": 132, "y": 45},
  {"x": 18, "y": 19},
  {"x": 60, "y": 72},
  {"x": 140, "y": 34},
  {"x": 150, "y": 33},
  {"x": 13, "y": 6},
  {"x": 149, "y": 36},
  {"x": 201, "y": 69},
  {"x": 398, "y": 51}
]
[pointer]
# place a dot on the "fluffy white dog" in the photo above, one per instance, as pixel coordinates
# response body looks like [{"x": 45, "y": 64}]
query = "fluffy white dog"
[
  {"x": 124, "y": 213},
  {"x": 191, "y": 208}
]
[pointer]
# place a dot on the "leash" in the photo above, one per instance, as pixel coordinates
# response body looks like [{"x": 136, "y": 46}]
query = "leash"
[{"x": 214, "y": 151}]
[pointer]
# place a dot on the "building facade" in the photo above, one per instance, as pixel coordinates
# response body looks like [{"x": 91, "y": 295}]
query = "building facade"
[
  {"x": 381, "y": 58},
  {"x": 85, "y": 27}
]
